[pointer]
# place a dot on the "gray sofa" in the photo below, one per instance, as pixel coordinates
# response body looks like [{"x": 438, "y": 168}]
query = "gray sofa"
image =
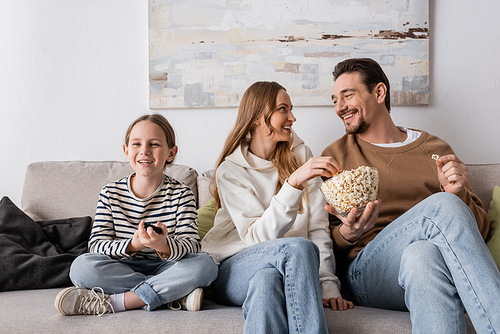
[{"x": 55, "y": 190}]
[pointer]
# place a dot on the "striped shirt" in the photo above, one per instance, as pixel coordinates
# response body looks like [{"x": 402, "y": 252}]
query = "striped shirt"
[{"x": 119, "y": 213}]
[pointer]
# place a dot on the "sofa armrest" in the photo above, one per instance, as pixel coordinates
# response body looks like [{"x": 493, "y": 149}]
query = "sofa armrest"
[{"x": 483, "y": 178}]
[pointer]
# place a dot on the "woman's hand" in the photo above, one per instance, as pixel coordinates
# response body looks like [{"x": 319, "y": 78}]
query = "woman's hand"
[
  {"x": 338, "y": 303},
  {"x": 316, "y": 166},
  {"x": 354, "y": 227}
]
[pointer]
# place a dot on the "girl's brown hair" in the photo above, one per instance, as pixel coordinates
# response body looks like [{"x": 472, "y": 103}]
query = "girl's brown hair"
[
  {"x": 159, "y": 120},
  {"x": 259, "y": 99}
]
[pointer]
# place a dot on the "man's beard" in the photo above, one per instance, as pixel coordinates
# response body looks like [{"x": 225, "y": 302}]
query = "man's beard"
[{"x": 361, "y": 127}]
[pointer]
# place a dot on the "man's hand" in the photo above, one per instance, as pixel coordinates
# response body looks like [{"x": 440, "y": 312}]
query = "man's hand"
[
  {"x": 452, "y": 173},
  {"x": 352, "y": 228},
  {"x": 338, "y": 303}
]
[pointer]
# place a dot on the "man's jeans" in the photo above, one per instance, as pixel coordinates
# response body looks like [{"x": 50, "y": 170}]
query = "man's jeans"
[
  {"x": 277, "y": 283},
  {"x": 156, "y": 282},
  {"x": 431, "y": 260}
]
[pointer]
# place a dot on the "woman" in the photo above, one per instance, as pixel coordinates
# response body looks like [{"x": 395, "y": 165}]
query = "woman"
[{"x": 271, "y": 231}]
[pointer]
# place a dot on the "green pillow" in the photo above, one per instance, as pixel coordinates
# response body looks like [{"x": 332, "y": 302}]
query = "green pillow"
[
  {"x": 494, "y": 213},
  {"x": 206, "y": 215}
]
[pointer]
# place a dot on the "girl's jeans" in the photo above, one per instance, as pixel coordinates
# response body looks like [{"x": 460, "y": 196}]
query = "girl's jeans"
[
  {"x": 277, "y": 284},
  {"x": 156, "y": 282},
  {"x": 431, "y": 261}
]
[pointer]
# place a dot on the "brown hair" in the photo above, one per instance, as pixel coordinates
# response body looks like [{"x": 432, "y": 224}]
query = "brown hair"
[
  {"x": 259, "y": 99},
  {"x": 159, "y": 120},
  {"x": 371, "y": 74}
]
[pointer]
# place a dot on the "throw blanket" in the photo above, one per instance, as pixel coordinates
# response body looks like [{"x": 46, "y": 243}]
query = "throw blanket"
[{"x": 36, "y": 255}]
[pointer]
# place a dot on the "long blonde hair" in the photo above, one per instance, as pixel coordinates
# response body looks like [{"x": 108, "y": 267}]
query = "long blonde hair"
[{"x": 259, "y": 99}]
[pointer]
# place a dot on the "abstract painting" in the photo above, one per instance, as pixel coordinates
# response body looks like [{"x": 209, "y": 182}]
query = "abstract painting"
[{"x": 206, "y": 53}]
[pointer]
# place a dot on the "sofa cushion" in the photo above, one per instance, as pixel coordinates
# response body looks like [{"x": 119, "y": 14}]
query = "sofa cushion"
[
  {"x": 483, "y": 178},
  {"x": 34, "y": 313},
  {"x": 204, "y": 191},
  {"x": 62, "y": 189},
  {"x": 206, "y": 216},
  {"x": 38, "y": 254}
]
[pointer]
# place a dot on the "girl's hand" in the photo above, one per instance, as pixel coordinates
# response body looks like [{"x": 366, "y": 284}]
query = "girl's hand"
[
  {"x": 135, "y": 245},
  {"x": 354, "y": 227},
  {"x": 316, "y": 166},
  {"x": 150, "y": 239},
  {"x": 338, "y": 303}
]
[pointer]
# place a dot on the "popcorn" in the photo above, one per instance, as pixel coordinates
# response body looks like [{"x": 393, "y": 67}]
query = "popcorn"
[
  {"x": 435, "y": 157},
  {"x": 351, "y": 189}
]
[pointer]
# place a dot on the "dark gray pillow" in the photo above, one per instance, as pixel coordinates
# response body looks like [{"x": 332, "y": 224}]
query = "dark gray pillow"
[{"x": 36, "y": 255}]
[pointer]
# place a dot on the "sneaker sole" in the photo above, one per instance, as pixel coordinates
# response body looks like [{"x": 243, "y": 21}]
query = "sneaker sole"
[
  {"x": 198, "y": 300},
  {"x": 59, "y": 298}
]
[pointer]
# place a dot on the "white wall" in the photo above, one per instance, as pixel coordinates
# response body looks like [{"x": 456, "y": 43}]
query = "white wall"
[{"x": 74, "y": 74}]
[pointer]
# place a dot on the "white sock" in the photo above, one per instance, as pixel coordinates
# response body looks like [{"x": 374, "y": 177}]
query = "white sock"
[{"x": 117, "y": 300}]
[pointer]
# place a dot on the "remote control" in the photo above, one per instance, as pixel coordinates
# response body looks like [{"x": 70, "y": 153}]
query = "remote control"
[{"x": 155, "y": 228}]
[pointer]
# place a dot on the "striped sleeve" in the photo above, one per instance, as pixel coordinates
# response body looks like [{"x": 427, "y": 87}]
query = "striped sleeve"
[
  {"x": 184, "y": 238},
  {"x": 103, "y": 237}
]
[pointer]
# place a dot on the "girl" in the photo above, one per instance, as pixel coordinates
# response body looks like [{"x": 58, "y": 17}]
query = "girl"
[
  {"x": 142, "y": 266},
  {"x": 271, "y": 230}
]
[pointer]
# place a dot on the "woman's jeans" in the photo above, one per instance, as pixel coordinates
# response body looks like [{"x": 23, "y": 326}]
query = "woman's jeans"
[
  {"x": 432, "y": 261},
  {"x": 277, "y": 284},
  {"x": 155, "y": 281}
]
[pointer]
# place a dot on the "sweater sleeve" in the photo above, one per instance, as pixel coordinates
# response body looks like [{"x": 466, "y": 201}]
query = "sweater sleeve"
[
  {"x": 103, "y": 235},
  {"x": 467, "y": 194},
  {"x": 185, "y": 238},
  {"x": 319, "y": 233},
  {"x": 254, "y": 222}
]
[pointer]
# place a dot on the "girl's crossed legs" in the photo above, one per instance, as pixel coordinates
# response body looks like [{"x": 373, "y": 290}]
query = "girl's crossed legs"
[{"x": 155, "y": 282}]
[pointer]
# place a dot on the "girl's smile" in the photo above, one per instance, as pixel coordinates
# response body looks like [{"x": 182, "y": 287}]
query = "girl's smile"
[{"x": 147, "y": 150}]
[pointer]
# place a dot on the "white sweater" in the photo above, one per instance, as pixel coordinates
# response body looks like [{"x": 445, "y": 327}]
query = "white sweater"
[{"x": 251, "y": 211}]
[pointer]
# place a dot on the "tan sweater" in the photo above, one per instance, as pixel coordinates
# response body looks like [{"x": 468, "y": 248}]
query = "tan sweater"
[{"x": 407, "y": 176}]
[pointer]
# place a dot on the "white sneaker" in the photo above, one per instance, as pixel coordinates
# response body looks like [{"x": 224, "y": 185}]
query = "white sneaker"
[
  {"x": 191, "y": 302},
  {"x": 74, "y": 300}
]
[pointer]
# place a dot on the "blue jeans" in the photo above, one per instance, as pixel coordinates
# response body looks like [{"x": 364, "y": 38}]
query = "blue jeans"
[
  {"x": 156, "y": 282},
  {"x": 277, "y": 284},
  {"x": 431, "y": 261}
]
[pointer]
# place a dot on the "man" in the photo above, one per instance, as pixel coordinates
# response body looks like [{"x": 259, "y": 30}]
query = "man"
[{"x": 420, "y": 246}]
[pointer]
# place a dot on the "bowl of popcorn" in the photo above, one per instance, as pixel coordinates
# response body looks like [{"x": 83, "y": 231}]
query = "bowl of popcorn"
[{"x": 351, "y": 189}]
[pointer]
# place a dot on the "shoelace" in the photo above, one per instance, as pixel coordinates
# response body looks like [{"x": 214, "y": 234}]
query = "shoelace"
[
  {"x": 95, "y": 303},
  {"x": 179, "y": 304},
  {"x": 175, "y": 305}
]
